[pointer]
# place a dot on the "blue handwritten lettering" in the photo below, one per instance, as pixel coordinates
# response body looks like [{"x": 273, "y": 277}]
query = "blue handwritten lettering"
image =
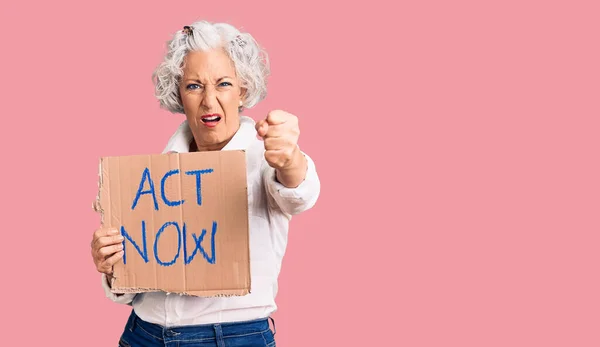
[
  {"x": 160, "y": 231},
  {"x": 144, "y": 253},
  {"x": 198, "y": 243},
  {"x": 198, "y": 173},
  {"x": 181, "y": 238},
  {"x": 162, "y": 188},
  {"x": 145, "y": 175}
]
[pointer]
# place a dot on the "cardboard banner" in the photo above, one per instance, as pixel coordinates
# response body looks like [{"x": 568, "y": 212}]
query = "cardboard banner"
[{"x": 184, "y": 218}]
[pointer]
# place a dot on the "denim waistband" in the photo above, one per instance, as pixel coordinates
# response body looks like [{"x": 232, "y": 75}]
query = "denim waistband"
[{"x": 201, "y": 331}]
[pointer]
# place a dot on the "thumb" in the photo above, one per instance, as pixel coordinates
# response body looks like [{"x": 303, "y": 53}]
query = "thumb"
[{"x": 262, "y": 127}]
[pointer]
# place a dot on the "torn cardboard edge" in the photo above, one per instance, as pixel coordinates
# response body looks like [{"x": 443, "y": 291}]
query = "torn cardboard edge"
[
  {"x": 97, "y": 205},
  {"x": 204, "y": 294},
  {"x": 101, "y": 201}
]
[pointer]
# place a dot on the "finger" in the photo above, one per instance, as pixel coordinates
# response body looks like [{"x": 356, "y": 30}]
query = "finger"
[
  {"x": 105, "y": 232},
  {"x": 262, "y": 127},
  {"x": 110, "y": 250},
  {"x": 275, "y": 143},
  {"x": 276, "y": 130},
  {"x": 276, "y": 117},
  {"x": 102, "y": 232},
  {"x": 107, "y": 241},
  {"x": 107, "y": 265}
]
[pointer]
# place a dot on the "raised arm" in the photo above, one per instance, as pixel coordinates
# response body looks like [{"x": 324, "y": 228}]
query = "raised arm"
[{"x": 291, "y": 177}]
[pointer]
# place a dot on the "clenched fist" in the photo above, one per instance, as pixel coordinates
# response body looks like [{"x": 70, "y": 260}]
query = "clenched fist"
[{"x": 280, "y": 132}]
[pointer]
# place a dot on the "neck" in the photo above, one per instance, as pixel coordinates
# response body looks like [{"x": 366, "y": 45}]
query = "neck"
[{"x": 194, "y": 147}]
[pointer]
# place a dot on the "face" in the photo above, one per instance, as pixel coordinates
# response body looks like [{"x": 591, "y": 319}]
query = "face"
[{"x": 211, "y": 94}]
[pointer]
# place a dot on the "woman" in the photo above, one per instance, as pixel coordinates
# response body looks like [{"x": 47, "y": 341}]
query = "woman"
[{"x": 210, "y": 73}]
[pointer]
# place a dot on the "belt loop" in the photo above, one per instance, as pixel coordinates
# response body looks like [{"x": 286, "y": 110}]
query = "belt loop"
[
  {"x": 219, "y": 335},
  {"x": 133, "y": 321},
  {"x": 274, "y": 329}
]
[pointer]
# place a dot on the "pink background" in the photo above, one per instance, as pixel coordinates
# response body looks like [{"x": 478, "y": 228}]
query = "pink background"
[{"x": 457, "y": 145}]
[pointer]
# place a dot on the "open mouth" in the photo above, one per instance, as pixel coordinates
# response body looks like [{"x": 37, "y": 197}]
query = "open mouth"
[{"x": 210, "y": 119}]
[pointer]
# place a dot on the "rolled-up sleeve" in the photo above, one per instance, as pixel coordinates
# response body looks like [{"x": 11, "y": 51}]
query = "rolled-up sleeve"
[
  {"x": 294, "y": 200},
  {"x": 125, "y": 299}
]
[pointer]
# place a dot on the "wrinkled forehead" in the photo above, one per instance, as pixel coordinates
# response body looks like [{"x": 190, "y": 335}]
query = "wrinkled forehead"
[{"x": 208, "y": 65}]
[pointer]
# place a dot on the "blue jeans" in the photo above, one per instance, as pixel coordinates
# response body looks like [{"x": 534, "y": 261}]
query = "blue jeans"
[{"x": 139, "y": 333}]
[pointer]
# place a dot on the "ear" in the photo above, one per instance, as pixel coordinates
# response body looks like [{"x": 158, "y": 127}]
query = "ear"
[{"x": 243, "y": 92}]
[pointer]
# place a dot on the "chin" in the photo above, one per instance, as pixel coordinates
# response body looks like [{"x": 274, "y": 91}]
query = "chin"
[{"x": 210, "y": 138}]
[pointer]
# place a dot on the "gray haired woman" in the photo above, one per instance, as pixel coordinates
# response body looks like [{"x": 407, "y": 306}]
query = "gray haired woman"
[{"x": 211, "y": 72}]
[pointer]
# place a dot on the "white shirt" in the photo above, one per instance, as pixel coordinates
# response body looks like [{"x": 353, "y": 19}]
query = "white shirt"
[{"x": 271, "y": 206}]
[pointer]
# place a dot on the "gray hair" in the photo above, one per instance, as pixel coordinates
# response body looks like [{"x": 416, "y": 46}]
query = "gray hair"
[{"x": 250, "y": 61}]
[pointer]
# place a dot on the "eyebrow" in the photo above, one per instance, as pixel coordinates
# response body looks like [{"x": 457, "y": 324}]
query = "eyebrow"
[{"x": 197, "y": 80}]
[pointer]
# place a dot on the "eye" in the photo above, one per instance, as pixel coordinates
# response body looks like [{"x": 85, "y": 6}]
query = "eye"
[
  {"x": 225, "y": 84},
  {"x": 192, "y": 86}
]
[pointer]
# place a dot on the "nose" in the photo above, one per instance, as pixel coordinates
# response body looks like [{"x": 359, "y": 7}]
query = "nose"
[{"x": 209, "y": 99}]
